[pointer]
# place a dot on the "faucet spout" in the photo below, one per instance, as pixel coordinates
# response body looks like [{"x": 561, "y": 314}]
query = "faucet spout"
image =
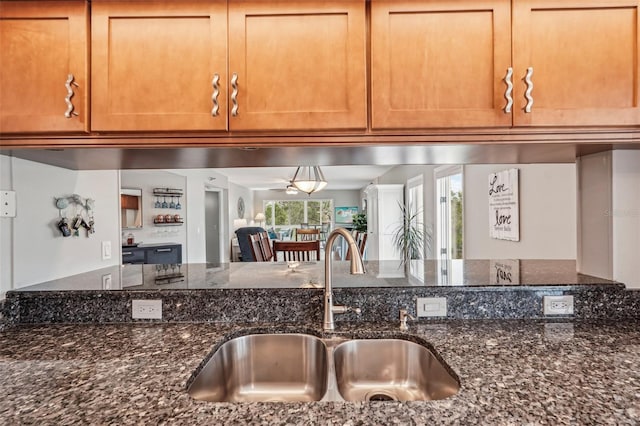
[{"x": 356, "y": 267}]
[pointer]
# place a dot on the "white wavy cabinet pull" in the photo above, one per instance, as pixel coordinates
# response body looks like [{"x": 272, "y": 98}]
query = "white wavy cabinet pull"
[
  {"x": 527, "y": 93},
  {"x": 234, "y": 94},
  {"x": 214, "y": 96},
  {"x": 68, "y": 84},
  {"x": 507, "y": 93}
]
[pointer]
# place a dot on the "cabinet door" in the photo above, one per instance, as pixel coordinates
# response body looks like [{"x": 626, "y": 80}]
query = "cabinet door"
[
  {"x": 154, "y": 63},
  {"x": 299, "y": 65},
  {"x": 439, "y": 63},
  {"x": 168, "y": 254},
  {"x": 133, "y": 255},
  {"x": 584, "y": 60},
  {"x": 41, "y": 45}
]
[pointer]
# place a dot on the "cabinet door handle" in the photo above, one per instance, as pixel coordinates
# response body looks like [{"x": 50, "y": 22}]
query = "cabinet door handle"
[
  {"x": 234, "y": 94},
  {"x": 70, "y": 109},
  {"x": 527, "y": 93},
  {"x": 127, "y": 253},
  {"x": 214, "y": 96},
  {"x": 507, "y": 93},
  {"x": 165, "y": 250}
]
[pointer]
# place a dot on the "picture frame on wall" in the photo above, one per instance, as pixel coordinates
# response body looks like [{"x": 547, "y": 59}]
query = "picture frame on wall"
[{"x": 344, "y": 215}]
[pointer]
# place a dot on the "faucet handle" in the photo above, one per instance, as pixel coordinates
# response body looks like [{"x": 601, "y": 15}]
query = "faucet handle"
[
  {"x": 345, "y": 309},
  {"x": 404, "y": 316}
]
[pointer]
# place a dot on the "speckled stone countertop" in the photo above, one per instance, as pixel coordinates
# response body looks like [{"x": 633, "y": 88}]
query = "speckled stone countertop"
[
  {"x": 511, "y": 372},
  {"x": 272, "y": 291}
]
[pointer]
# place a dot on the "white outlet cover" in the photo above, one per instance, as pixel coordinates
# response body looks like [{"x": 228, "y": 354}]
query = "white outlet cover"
[
  {"x": 146, "y": 309},
  {"x": 431, "y": 306},
  {"x": 557, "y": 305}
]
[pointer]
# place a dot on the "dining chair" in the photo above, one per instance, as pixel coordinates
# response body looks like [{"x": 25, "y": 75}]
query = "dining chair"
[
  {"x": 256, "y": 247},
  {"x": 361, "y": 243},
  {"x": 307, "y": 234},
  {"x": 297, "y": 250},
  {"x": 265, "y": 244},
  {"x": 325, "y": 227},
  {"x": 304, "y": 225}
]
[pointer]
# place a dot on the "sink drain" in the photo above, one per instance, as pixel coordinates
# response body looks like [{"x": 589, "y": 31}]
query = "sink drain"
[{"x": 378, "y": 395}]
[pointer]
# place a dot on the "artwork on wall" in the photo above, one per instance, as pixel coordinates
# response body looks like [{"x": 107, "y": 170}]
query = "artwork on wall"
[
  {"x": 344, "y": 215},
  {"x": 504, "y": 205}
]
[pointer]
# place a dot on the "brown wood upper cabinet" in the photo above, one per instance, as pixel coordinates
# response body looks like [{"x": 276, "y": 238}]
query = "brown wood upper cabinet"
[
  {"x": 159, "y": 65},
  {"x": 292, "y": 65},
  {"x": 446, "y": 63},
  {"x": 439, "y": 63},
  {"x": 43, "y": 67},
  {"x": 297, "y": 65},
  {"x": 584, "y": 61}
]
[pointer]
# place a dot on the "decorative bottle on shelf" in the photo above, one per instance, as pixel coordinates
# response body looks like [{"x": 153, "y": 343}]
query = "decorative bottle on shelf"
[{"x": 130, "y": 239}]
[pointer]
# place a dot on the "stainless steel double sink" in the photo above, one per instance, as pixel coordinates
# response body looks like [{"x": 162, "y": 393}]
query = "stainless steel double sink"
[{"x": 302, "y": 367}]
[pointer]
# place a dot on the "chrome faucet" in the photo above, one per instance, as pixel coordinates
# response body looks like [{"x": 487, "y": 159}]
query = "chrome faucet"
[
  {"x": 404, "y": 316},
  {"x": 357, "y": 267}
]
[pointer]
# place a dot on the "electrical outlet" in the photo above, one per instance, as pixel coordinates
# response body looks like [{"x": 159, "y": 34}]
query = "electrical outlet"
[
  {"x": 558, "y": 305},
  {"x": 431, "y": 306},
  {"x": 106, "y": 282},
  {"x": 106, "y": 250},
  {"x": 146, "y": 309}
]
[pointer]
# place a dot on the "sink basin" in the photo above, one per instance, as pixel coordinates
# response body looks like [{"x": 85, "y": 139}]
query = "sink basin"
[
  {"x": 390, "y": 369},
  {"x": 264, "y": 367}
]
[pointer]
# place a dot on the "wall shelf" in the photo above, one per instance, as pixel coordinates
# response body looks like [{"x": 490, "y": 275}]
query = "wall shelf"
[
  {"x": 168, "y": 192},
  {"x": 168, "y": 223}
]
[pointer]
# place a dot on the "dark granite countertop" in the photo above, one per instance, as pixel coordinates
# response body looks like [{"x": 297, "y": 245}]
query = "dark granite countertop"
[{"x": 511, "y": 372}]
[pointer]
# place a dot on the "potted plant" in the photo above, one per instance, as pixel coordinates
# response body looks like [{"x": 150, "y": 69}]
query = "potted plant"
[
  {"x": 360, "y": 222},
  {"x": 410, "y": 236}
]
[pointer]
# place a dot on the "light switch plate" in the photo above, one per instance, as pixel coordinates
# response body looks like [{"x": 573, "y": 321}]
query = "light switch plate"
[
  {"x": 146, "y": 309},
  {"x": 431, "y": 306},
  {"x": 106, "y": 250},
  {"x": 7, "y": 203}
]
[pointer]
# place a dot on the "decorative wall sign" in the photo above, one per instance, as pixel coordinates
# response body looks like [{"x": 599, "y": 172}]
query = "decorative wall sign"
[
  {"x": 504, "y": 205},
  {"x": 240, "y": 208},
  {"x": 505, "y": 271}
]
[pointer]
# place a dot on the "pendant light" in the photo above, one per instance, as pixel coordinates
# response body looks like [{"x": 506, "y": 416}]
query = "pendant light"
[
  {"x": 309, "y": 179},
  {"x": 291, "y": 190}
]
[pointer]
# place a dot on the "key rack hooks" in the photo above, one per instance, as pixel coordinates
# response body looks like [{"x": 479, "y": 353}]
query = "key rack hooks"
[
  {"x": 64, "y": 202},
  {"x": 82, "y": 218}
]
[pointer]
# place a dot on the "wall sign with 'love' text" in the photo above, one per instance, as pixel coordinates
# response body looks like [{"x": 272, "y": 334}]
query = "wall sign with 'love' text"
[{"x": 504, "y": 205}]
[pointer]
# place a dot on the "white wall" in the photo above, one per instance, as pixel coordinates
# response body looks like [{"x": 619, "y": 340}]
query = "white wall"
[
  {"x": 626, "y": 217},
  {"x": 40, "y": 252},
  {"x": 547, "y": 213},
  {"x": 235, "y": 192},
  {"x": 401, "y": 174},
  {"x": 6, "y": 231},
  {"x": 197, "y": 181},
  {"x": 595, "y": 225}
]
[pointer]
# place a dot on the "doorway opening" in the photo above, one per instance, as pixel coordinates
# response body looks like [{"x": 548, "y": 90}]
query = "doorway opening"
[
  {"x": 449, "y": 212},
  {"x": 212, "y": 225}
]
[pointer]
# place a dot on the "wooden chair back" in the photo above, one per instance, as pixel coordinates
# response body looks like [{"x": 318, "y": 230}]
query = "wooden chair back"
[
  {"x": 307, "y": 234},
  {"x": 297, "y": 250},
  {"x": 265, "y": 244},
  {"x": 361, "y": 242},
  {"x": 256, "y": 247}
]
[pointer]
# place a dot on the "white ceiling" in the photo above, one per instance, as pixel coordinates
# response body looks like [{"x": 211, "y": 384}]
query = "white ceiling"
[{"x": 338, "y": 177}]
